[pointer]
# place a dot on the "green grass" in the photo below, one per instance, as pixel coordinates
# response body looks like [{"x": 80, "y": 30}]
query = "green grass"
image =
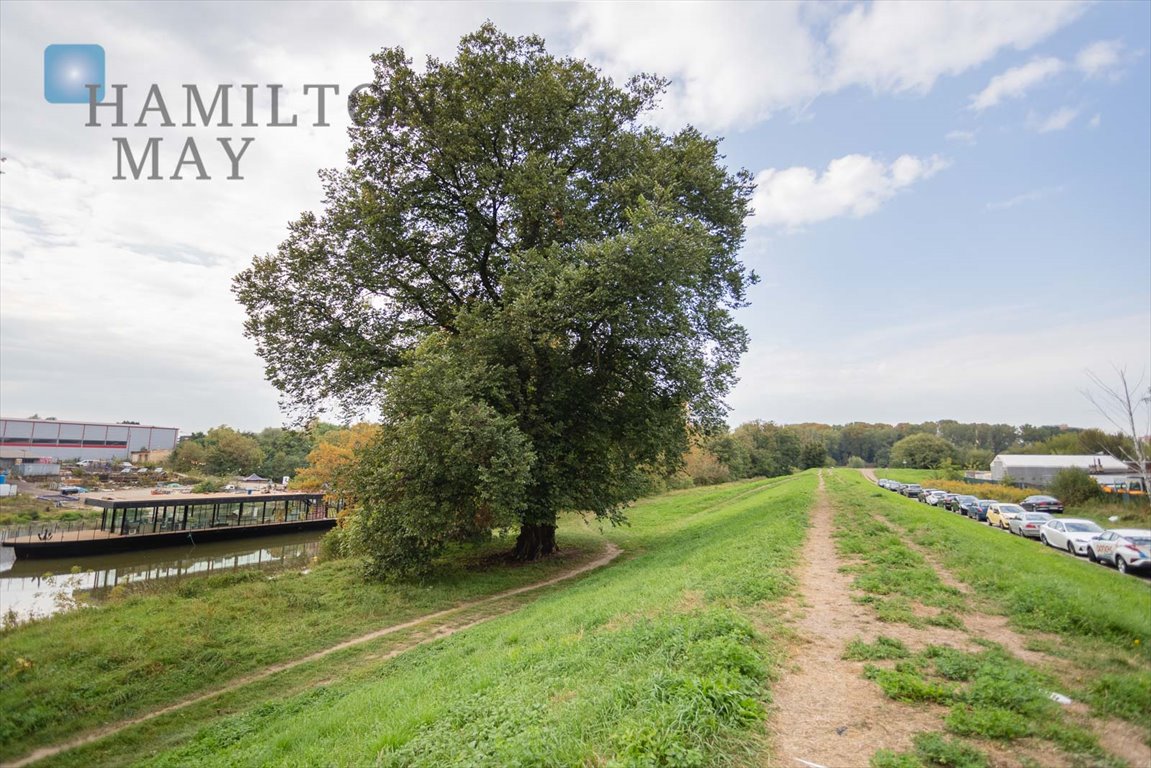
[
  {"x": 991, "y": 696},
  {"x": 24, "y": 508},
  {"x": 152, "y": 646},
  {"x": 661, "y": 659},
  {"x": 1103, "y": 617},
  {"x": 882, "y": 648},
  {"x": 894, "y": 578}
]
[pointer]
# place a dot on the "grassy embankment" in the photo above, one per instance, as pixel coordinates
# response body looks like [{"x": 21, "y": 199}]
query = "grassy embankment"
[
  {"x": 663, "y": 656},
  {"x": 1131, "y": 513},
  {"x": 156, "y": 642},
  {"x": 1102, "y": 621},
  {"x": 24, "y": 508}
]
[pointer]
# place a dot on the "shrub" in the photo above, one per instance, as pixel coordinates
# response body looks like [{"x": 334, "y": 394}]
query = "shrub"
[
  {"x": 934, "y": 749},
  {"x": 1075, "y": 486}
]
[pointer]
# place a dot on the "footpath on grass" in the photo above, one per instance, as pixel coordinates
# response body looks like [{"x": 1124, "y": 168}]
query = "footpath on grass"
[
  {"x": 432, "y": 626},
  {"x": 824, "y": 712},
  {"x": 985, "y": 630}
]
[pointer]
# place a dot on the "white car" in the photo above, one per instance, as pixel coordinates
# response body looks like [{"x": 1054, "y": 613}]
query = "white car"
[
  {"x": 1028, "y": 524},
  {"x": 1072, "y": 534},
  {"x": 933, "y": 497},
  {"x": 1125, "y": 548}
]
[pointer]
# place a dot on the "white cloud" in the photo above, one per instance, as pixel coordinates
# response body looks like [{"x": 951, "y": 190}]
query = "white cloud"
[
  {"x": 1026, "y": 197},
  {"x": 732, "y": 64},
  {"x": 1016, "y": 81},
  {"x": 1096, "y": 121},
  {"x": 898, "y": 46},
  {"x": 854, "y": 185},
  {"x": 1056, "y": 121},
  {"x": 1100, "y": 58},
  {"x": 961, "y": 137}
]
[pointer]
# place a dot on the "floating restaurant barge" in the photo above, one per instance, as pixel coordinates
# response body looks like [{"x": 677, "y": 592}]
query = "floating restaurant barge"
[{"x": 171, "y": 521}]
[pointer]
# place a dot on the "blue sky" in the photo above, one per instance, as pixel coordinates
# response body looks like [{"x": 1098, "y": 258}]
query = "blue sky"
[{"x": 953, "y": 218}]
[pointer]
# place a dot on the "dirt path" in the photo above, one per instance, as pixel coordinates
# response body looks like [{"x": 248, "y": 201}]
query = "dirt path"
[
  {"x": 824, "y": 712},
  {"x": 435, "y": 626},
  {"x": 1116, "y": 736}
]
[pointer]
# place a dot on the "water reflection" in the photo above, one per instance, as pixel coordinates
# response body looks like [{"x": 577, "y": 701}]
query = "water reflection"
[{"x": 38, "y": 588}]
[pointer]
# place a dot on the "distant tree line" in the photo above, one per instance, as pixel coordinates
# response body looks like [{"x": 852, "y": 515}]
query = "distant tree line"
[
  {"x": 765, "y": 449},
  {"x": 273, "y": 452}
]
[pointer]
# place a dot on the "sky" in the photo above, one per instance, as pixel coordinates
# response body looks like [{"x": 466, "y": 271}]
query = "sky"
[{"x": 952, "y": 214}]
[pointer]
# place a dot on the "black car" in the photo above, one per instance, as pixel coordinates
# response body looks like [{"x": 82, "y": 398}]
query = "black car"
[
  {"x": 1048, "y": 504},
  {"x": 962, "y": 503},
  {"x": 946, "y": 500}
]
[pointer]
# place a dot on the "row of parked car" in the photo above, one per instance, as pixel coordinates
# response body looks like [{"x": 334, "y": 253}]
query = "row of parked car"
[{"x": 1125, "y": 548}]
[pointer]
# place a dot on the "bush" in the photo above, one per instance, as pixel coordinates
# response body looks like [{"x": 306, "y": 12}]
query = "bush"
[
  {"x": 1075, "y": 486},
  {"x": 207, "y": 486},
  {"x": 856, "y": 463}
]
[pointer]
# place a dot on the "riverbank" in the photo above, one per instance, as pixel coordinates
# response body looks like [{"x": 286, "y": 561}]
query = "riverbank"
[{"x": 140, "y": 651}]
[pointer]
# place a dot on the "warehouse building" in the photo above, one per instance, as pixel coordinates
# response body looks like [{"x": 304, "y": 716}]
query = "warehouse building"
[
  {"x": 1040, "y": 470},
  {"x": 71, "y": 440}
]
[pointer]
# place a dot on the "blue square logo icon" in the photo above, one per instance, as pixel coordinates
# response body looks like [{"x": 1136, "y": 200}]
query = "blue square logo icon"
[{"x": 69, "y": 70}]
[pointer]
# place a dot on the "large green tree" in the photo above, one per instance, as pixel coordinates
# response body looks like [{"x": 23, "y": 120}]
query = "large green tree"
[
  {"x": 537, "y": 283},
  {"x": 922, "y": 450}
]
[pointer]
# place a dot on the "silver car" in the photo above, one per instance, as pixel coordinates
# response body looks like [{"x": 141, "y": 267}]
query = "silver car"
[
  {"x": 1072, "y": 534},
  {"x": 1125, "y": 548},
  {"x": 1028, "y": 524}
]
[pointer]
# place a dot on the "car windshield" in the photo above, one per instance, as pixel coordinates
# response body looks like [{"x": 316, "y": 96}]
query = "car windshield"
[
  {"x": 1041, "y": 498},
  {"x": 1011, "y": 509},
  {"x": 1083, "y": 527},
  {"x": 1037, "y": 516},
  {"x": 967, "y": 498},
  {"x": 1140, "y": 542}
]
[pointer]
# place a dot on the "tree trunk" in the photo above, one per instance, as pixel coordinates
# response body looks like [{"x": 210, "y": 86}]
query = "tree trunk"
[{"x": 535, "y": 541}]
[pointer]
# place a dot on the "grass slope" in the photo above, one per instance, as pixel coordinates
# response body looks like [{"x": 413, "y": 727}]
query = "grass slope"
[
  {"x": 1103, "y": 616},
  {"x": 156, "y": 645},
  {"x": 661, "y": 659}
]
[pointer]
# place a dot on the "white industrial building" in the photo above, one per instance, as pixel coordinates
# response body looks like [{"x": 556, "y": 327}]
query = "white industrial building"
[
  {"x": 68, "y": 440},
  {"x": 1036, "y": 469}
]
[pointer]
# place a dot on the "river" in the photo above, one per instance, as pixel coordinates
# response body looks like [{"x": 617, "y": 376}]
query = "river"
[{"x": 39, "y": 588}]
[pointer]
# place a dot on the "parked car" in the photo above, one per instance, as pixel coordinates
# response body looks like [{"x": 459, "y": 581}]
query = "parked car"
[
  {"x": 945, "y": 500},
  {"x": 999, "y": 514},
  {"x": 965, "y": 505},
  {"x": 911, "y": 490},
  {"x": 1072, "y": 534},
  {"x": 924, "y": 493},
  {"x": 953, "y": 502},
  {"x": 979, "y": 510},
  {"x": 1028, "y": 524},
  {"x": 1125, "y": 548},
  {"x": 71, "y": 490},
  {"x": 934, "y": 497},
  {"x": 1048, "y": 504}
]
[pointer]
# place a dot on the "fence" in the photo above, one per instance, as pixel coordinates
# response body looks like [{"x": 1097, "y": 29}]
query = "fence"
[{"x": 150, "y": 520}]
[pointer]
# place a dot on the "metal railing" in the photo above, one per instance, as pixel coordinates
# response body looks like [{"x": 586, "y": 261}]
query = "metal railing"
[{"x": 82, "y": 530}]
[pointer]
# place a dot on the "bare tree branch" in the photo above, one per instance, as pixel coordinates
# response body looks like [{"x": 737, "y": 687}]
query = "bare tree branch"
[{"x": 1125, "y": 405}]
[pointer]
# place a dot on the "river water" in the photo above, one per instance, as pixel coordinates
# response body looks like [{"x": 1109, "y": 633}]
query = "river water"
[{"x": 38, "y": 588}]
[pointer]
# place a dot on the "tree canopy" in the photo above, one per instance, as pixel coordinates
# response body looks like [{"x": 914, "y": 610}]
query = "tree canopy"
[{"x": 533, "y": 286}]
